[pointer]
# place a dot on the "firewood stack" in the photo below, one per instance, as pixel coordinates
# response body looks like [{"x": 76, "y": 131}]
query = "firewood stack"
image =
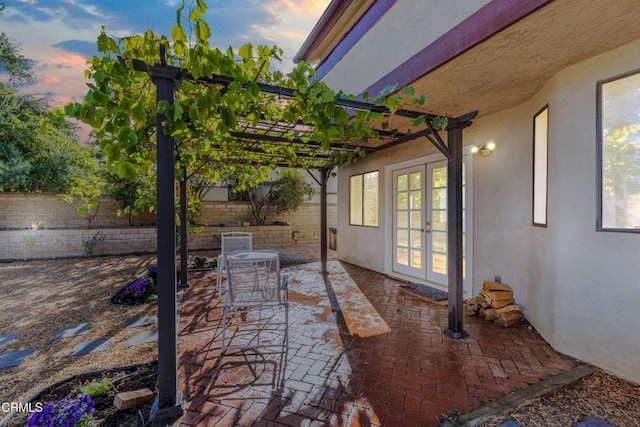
[{"x": 495, "y": 303}]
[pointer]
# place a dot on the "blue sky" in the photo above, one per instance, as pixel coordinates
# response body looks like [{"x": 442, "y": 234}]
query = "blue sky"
[{"x": 59, "y": 35}]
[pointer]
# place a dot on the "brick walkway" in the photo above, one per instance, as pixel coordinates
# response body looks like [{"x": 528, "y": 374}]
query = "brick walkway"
[{"x": 360, "y": 353}]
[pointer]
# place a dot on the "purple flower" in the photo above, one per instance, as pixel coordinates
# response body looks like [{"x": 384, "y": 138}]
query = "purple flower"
[
  {"x": 64, "y": 413},
  {"x": 153, "y": 270},
  {"x": 140, "y": 286}
]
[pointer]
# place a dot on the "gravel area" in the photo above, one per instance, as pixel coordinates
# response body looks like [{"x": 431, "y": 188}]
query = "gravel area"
[
  {"x": 600, "y": 395},
  {"x": 43, "y": 296}
]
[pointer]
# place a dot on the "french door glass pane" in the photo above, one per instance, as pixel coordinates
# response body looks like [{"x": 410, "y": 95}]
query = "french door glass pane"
[
  {"x": 416, "y": 258},
  {"x": 402, "y": 256},
  {"x": 439, "y": 263},
  {"x": 403, "y": 219},
  {"x": 403, "y": 200},
  {"x": 403, "y": 238}
]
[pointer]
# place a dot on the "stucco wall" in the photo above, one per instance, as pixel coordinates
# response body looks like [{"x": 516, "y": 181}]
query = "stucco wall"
[
  {"x": 579, "y": 286},
  {"x": 377, "y": 52},
  {"x": 365, "y": 246}
]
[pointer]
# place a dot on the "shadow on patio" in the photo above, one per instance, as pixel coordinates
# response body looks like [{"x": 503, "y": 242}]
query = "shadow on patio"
[{"x": 360, "y": 353}]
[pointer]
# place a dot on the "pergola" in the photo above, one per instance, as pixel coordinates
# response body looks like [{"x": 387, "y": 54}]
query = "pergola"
[{"x": 254, "y": 139}]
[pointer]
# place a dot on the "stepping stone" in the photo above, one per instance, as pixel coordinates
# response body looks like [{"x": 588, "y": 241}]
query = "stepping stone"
[
  {"x": 91, "y": 347},
  {"x": 6, "y": 339},
  {"x": 509, "y": 423},
  {"x": 14, "y": 358},
  {"x": 73, "y": 331},
  {"x": 143, "y": 338},
  {"x": 593, "y": 422},
  {"x": 143, "y": 321}
]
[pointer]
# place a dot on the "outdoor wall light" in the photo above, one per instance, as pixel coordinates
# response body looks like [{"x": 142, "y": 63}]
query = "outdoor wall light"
[{"x": 484, "y": 150}]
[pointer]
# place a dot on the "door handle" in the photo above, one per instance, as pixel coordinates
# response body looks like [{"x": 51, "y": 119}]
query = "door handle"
[{"x": 427, "y": 228}]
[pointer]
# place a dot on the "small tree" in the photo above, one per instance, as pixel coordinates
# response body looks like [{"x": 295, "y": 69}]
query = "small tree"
[
  {"x": 133, "y": 195},
  {"x": 84, "y": 197},
  {"x": 285, "y": 194}
]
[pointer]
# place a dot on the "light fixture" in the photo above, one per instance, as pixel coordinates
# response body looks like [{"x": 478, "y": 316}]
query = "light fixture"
[{"x": 484, "y": 150}]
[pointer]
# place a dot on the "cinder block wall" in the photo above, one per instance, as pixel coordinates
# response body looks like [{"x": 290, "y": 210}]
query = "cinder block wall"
[
  {"x": 21, "y": 211},
  {"x": 305, "y": 222},
  {"x": 60, "y": 243},
  {"x": 61, "y": 233}
]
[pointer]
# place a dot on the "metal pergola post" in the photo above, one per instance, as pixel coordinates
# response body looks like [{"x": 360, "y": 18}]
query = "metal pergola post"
[
  {"x": 184, "y": 249},
  {"x": 324, "y": 176},
  {"x": 454, "y": 232},
  {"x": 168, "y": 403}
]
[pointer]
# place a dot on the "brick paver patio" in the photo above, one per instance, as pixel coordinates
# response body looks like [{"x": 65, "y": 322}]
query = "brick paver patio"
[{"x": 360, "y": 353}]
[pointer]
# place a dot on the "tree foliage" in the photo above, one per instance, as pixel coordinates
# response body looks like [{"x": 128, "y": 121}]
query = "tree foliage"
[
  {"x": 135, "y": 196},
  {"x": 15, "y": 69},
  {"x": 285, "y": 194},
  {"x": 36, "y": 154}
]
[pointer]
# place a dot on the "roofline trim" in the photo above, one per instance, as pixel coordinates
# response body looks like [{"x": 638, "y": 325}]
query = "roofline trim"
[{"x": 327, "y": 21}]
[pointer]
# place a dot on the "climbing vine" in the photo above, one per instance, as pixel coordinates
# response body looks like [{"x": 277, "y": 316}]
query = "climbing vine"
[{"x": 121, "y": 106}]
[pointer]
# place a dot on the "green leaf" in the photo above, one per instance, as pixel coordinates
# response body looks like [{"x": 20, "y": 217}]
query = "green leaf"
[
  {"x": 420, "y": 101},
  {"x": 126, "y": 170},
  {"x": 177, "y": 112},
  {"x": 409, "y": 91},
  {"x": 177, "y": 33},
  {"x": 202, "y": 30},
  {"x": 392, "y": 104},
  {"x": 246, "y": 51},
  {"x": 195, "y": 14},
  {"x": 388, "y": 89}
]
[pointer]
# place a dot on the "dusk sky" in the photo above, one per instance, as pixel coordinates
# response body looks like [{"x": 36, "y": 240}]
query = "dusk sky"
[{"x": 59, "y": 35}]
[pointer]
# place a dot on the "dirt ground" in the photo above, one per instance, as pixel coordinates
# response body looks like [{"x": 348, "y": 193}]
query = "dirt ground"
[
  {"x": 600, "y": 395},
  {"x": 41, "y": 297}
]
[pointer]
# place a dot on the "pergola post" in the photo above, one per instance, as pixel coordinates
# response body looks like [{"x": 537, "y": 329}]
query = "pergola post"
[
  {"x": 454, "y": 232},
  {"x": 168, "y": 404},
  {"x": 184, "y": 249},
  {"x": 324, "y": 176}
]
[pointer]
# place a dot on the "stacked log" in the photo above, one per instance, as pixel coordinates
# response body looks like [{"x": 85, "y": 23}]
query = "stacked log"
[{"x": 495, "y": 303}]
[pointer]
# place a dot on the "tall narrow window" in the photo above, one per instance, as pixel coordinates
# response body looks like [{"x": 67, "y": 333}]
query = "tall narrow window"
[
  {"x": 619, "y": 153},
  {"x": 540, "y": 144},
  {"x": 363, "y": 199}
]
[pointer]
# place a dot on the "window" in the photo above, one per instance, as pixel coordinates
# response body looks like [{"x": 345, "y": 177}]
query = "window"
[
  {"x": 540, "y": 141},
  {"x": 363, "y": 199},
  {"x": 619, "y": 153}
]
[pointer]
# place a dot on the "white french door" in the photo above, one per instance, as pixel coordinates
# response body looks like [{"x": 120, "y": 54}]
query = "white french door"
[
  {"x": 408, "y": 218},
  {"x": 419, "y": 218}
]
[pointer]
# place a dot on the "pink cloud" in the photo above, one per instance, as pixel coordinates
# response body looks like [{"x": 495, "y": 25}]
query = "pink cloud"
[
  {"x": 304, "y": 7},
  {"x": 292, "y": 35},
  {"x": 68, "y": 59}
]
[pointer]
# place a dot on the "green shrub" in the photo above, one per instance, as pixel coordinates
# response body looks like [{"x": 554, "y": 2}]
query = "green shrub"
[{"x": 96, "y": 389}]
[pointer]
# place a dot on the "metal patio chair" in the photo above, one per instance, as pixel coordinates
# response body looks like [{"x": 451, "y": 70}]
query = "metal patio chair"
[
  {"x": 231, "y": 241},
  {"x": 253, "y": 285}
]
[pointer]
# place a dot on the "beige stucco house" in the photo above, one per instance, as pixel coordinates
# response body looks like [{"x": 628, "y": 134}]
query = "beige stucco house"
[{"x": 554, "y": 208}]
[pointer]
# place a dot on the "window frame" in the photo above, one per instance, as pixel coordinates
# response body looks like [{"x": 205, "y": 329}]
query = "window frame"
[
  {"x": 599, "y": 154},
  {"x": 362, "y": 203},
  {"x": 546, "y": 172}
]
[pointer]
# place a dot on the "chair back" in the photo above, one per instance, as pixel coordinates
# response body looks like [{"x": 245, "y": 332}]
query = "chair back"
[
  {"x": 235, "y": 241},
  {"x": 253, "y": 280}
]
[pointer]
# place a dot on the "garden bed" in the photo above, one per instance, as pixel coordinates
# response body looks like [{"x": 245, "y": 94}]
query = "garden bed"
[{"x": 103, "y": 413}]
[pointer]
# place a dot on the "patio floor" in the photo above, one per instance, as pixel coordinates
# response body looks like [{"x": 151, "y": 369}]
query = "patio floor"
[{"x": 360, "y": 352}]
